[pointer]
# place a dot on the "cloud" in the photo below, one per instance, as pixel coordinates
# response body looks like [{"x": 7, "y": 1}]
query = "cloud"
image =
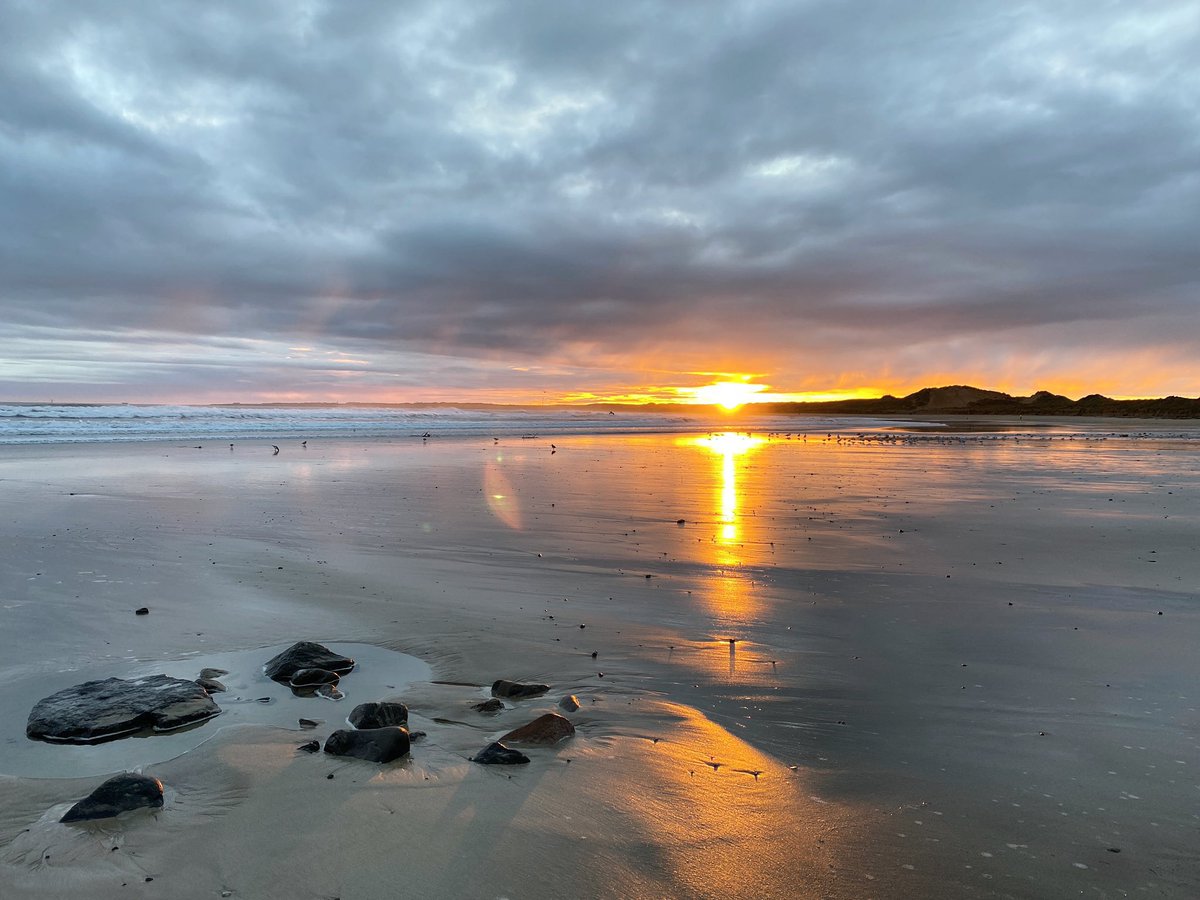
[{"x": 816, "y": 191}]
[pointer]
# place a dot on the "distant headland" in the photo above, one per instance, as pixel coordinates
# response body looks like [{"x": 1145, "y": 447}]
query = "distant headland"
[{"x": 965, "y": 400}]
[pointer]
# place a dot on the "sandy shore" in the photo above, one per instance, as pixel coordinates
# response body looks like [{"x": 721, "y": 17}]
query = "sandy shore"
[{"x": 948, "y": 677}]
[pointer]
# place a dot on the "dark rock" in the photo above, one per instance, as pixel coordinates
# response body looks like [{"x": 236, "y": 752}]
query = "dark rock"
[
  {"x": 142, "y": 611},
  {"x": 119, "y": 794},
  {"x": 310, "y": 747},
  {"x": 306, "y": 655},
  {"x": 372, "y": 744},
  {"x": 329, "y": 692},
  {"x": 211, "y": 685},
  {"x": 416, "y": 735},
  {"x": 544, "y": 730},
  {"x": 488, "y": 706},
  {"x": 516, "y": 691},
  {"x": 309, "y": 723},
  {"x": 378, "y": 715},
  {"x": 101, "y": 710},
  {"x": 312, "y": 678},
  {"x": 570, "y": 703},
  {"x": 213, "y": 673},
  {"x": 496, "y": 754}
]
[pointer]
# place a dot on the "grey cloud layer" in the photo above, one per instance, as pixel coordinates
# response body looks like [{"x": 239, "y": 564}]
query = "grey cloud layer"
[{"x": 513, "y": 180}]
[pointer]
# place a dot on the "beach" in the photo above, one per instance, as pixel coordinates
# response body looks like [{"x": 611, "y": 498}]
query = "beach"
[{"x": 958, "y": 663}]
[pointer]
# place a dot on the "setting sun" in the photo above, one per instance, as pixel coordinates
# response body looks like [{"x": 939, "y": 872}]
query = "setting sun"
[{"x": 727, "y": 394}]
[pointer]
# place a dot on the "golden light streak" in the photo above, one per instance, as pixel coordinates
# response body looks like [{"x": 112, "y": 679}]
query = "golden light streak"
[
  {"x": 729, "y": 592},
  {"x": 729, "y": 445}
]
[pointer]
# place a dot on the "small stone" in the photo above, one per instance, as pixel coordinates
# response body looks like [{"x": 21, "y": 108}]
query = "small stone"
[
  {"x": 488, "y": 706},
  {"x": 330, "y": 692},
  {"x": 516, "y": 690},
  {"x": 380, "y": 745},
  {"x": 212, "y": 673},
  {"x": 142, "y": 611},
  {"x": 309, "y": 723},
  {"x": 545, "y": 730},
  {"x": 496, "y": 754},
  {"x": 416, "y": 735},
  {"x": 570, "y": 703},
  {"x": 211, "y": 685},
  {"x": 119, "y": 794},
  {"x": 377, "y": 715},
  {"x": 310, "y": 747},
  {"x": 681, "y": 521}
]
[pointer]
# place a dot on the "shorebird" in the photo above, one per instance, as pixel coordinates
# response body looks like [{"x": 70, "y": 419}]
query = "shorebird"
[{"x": 276, "y": 453}]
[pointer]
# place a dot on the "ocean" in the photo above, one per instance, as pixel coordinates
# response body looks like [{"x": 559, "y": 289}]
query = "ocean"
[
  {"x": 106, "y": 423},
  {"x": 70, "y": 423}
]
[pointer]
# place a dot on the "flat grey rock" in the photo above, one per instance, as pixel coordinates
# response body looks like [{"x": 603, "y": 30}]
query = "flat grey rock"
[
  {"x": 372, "y": 744},
  {"x": 119, "y": 794},
  {"x": 306, "y": 655},
  {"x": 378, "y": 715},
  {"x": 102, "y": 710}
]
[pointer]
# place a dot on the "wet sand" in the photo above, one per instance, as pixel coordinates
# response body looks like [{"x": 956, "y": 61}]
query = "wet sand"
[{"x": 943, "y": 659}]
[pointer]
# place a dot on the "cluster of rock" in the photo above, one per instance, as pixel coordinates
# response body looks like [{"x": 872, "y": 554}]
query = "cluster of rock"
[
  {"x": 545, "y": 731},
  {"x": 111, "y": 708},
  {"x": 380, "y": 733},
  {"x": 310, "y": 668}
]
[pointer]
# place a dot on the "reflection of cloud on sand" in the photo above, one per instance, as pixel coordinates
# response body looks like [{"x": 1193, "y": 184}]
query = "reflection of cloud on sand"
[{"x": 501, "y": 497}]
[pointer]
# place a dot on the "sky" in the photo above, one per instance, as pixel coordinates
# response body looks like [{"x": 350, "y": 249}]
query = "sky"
[{"x": 547, "y": 201}]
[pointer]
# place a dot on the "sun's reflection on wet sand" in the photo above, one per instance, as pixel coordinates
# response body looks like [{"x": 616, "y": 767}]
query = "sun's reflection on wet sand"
[
  {"x": 729, "y": 446},
  {"x": 729, "y": 589}
]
